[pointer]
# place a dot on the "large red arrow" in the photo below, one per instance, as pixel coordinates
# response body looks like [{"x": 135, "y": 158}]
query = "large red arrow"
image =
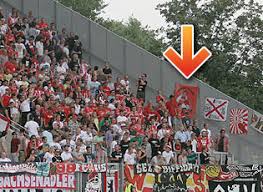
[{"x": 187, "y": 63}]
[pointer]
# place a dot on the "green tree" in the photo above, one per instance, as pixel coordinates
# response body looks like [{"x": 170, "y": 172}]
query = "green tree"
[
  {"x": 135, "y": 32},
  {"x": 232, "y": 30},
  {"x": 88, "y": 8}
]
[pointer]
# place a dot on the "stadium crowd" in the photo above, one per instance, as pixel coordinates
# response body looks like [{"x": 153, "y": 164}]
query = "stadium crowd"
[{"x": 72, "y": 111}]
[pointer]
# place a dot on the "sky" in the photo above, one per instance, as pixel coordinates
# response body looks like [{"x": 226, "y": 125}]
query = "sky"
[{"x": 143, "y": 10}]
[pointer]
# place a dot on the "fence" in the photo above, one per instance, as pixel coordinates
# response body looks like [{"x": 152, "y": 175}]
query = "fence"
[{"x": 124, "y": 57}]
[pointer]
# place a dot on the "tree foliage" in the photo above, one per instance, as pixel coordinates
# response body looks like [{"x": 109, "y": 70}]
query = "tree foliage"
[
  {"x": 88, "y": 8},
  {"x": 135, "y": 32},
  {"x": 233, "y": 31}
]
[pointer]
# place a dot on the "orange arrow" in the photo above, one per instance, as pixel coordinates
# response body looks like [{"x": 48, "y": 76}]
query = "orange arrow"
[{"x": 187, "y": 63}]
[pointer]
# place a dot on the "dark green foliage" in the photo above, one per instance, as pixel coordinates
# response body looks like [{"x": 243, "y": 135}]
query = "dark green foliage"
[{"x": 233, "y": 31}]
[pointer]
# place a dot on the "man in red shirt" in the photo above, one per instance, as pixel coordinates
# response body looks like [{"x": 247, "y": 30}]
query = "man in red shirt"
[
  {"x": 173, "y": 112},
  {"x": 5, "y": 102},
  {"x": 203, "y": 141},
  {"x": 42, "y": 24}
]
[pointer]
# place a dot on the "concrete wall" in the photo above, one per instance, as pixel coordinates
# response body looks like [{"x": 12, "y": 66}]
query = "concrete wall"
[{"x": 126, "y": 58}]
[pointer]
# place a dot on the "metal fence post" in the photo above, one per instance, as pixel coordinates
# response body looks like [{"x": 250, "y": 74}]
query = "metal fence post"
[{"x": 121, "y": 172}]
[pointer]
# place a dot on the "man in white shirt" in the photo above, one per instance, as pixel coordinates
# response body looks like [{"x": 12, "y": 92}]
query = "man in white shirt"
[
  {"x": 116, "y": 128},
  {"x": 48, "y": 135},
  {"x": 86, "y": 136},
  {"x": 130, "y": 157},
  {"x": 3, "y": 26},
  {"x": 66, "y": 155},
  {"x": 65, "y": 64},
  {"x": 3, "y": 88},
  {"x": 207, "y": 130},
  {"x": 32, "y": 127},
  {"x": 162, "y": 132},
  {"x": 111, "y": 105},
  {"x": 126, "y": 83},
  {"x": 68, "y": 141},
  {"x": 56, "y": 142},
  {"x": 25, "y": 105},
  {"x": 25, "y": 108},
  {"x": 168, "y": 154},
  {"x": 158, "y": 159},
  {"x": 58, "y": 122},
  {"x": 40, "y": 47},
  {"x": 44, "y": 65},
  {"x": 20, "y": 48},
  {"x": 60, "y": 69},
  {"x": 122, "y": 119}
]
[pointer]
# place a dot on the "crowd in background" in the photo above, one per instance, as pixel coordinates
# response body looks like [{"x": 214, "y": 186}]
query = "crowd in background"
[{"x": 73, "y": 111}]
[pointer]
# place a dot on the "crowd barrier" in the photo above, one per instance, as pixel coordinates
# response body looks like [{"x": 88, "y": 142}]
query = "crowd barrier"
[{"x": 57, "y": 177}]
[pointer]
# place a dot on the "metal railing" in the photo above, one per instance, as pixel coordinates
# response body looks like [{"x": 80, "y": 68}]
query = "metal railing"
[{"x": 220, "y": 158}]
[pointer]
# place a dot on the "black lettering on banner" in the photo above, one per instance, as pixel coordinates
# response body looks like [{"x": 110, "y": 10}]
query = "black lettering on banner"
[
  {"x": 148, "y": 168},
  {"x": 248, "y": 179}
]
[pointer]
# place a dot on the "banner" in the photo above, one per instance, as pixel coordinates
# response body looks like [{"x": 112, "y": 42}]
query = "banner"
[
  {"x": 37, "y": 182},
  {"x": 148, "y": 178},
  {"x": 198, "y": 178},
  {"x": 111, "y": 187},
  {"x": 148, "y": 168},
  {"x": 49, "y": 176},
  {"x": 186, "y": 97},
  {"x": 95, "y": 182},
  {"x": 138, "y": 182},
  {"x": 247, "y": 179},
  {"x": 112, "y": 174},
  {"x": 71, "y": 168},
  {"x": 41, "y": 168},
  {"x": 215, "y": 109},
  {"x": 18, "y": 168},
  {"x": 238, "y": 121},
  {"x": 257, "y": 121}
]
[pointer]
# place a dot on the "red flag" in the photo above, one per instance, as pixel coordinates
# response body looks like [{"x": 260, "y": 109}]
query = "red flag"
[
  {"x": 186, "y": 98},
  {"x": 238, "y": 121}
]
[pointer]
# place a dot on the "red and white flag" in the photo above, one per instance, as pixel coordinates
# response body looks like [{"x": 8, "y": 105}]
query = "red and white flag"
[
  {"x": 238, "y": 121},
  {"x": 4, "y": 123}
]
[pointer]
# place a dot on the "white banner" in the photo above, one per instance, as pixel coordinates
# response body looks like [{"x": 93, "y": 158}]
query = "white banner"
[
  {"x": 33, "y": 181},
  {"x": 215, "y": 109}
]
